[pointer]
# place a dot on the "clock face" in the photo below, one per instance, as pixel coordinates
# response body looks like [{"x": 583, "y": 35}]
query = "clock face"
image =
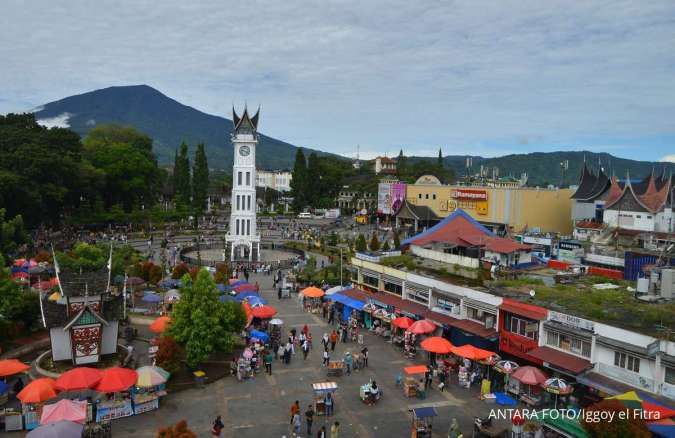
[{"x": 244, "y": 151}]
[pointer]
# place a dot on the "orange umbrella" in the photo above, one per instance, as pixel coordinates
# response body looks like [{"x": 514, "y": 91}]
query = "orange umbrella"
[
  {"x": 116, "y": 379},
  {"x": 10, "y": 367},
  {"x": 313, "y": 292},
  {"x": 264, "y": 312},
  {"x": 402, "y": 322},
  {"x": 437, "y": 344},
  {"x": 471, "y": 352},
  {"x": 416, "y": 369},
  {"x": 78, "y": 379},
  {"x": 248, "y": 310},
  {"x": 38, "y": 391},
  {"x": 421, "y": 327},
  {"x": 160, "y": 324}
]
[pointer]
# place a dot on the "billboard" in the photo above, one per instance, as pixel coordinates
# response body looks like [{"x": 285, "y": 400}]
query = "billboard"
[
  {"x": 470, "y": 194},
  {"x": 390, "y": 197}
]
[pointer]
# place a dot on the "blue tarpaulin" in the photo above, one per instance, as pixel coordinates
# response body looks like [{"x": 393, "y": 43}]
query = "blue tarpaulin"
[
  {"x": 424, "y": 412},
  {"x": 348, "y": 303}
]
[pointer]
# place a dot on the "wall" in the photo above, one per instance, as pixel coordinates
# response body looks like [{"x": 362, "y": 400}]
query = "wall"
[
  {"x": 631, "y": 220},
  {"x": 61, "y": 347},
  {"x": 452, "y": 259},
  {"x": 582, "y": 210},
  {"x": 549, "y": 210},
  {"x": 109, "y": 338}
]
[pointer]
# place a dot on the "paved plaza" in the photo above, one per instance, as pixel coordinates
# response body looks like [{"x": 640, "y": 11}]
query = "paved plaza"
[{"x": 260, "y": 407}]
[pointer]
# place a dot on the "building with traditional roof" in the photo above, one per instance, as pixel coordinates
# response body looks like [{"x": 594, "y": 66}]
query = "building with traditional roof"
[{"x": 385, "y": 165}]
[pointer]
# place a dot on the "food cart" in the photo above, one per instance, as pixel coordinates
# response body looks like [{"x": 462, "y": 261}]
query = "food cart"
[
  {"x": 335, "y": 368},
  {"x": 411, "y": 381},
  {"x": 422, "y": 419},
  {"x": 320, "y": 391}
]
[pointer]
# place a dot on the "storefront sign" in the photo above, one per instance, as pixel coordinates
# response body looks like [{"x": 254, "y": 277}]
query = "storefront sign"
[
  {"x": 469, "y": 195},
  {"x": 384, "y": 198},
  {"x": 570, "y": 320},
  {"x": 544, "y": 241}
]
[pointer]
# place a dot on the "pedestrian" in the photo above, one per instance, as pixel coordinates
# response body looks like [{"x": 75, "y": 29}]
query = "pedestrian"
[
  {"x": 364, "y": 354},
  {"x": 328, "y": 402},
  {"x": 297, "y": 424},
  {"x": 246, "y": 274},
  {"x": 217, "y": 428},
  {"x": 322, "y": 432},
  {"x": 325, "y": 341},
  {"x": 326, "y": 358},
  {"x": 428, "y": 379},
  {"x": 335, "y": 430},
  {"x": 305, "y": 349},
  {"x": 280, "y": 352},
  {"x": 295, "y": 409},
  {"x": 333, "y": 339},
  {"x": 324, "y": 310},
  {"x": 279, "y": 294},
  {"x": 269, "y": 357},
  {"x": 331, "y": 315},
  {"x": 349, "y": 361},
  {"x": 309, "y": 418}
]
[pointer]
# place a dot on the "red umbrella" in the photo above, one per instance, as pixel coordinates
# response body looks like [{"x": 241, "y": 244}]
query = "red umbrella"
[
  {"x": 402, "y": 322},
  {"x": 43, "y": 285},
  {"x": 19, "y": 262},
  {"x": 264, "y": 312},
  {"x": 244, "y": 287},
  {"x": 248, "y": 310},
  {"x": 422, "y": 327},
  {"x": 9, "y": 367},
  {"x": 529, "y": 375},
  {"x": 437, "y": 344},
  {"x": 20, "y": 274},
  {"x": 38, "y": 391},
  {"x": 65, "y": 409},
  {"x": 470, "y": 352},
  {"x": 78, "y": 379},
  {"x": 116, "y": 380},
  {"x": 160, "y": 324}
]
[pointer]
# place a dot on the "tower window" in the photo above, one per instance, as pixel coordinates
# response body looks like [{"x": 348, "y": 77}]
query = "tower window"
[
  {"x": 248, "y": 178},
  {"x": 239, "y": 178},
  {"x": 237, "y": 233},
  {"x": 249, "y": 203},
  {"x": 238, "y": 202},
  {"x": 248, "y": 227}
]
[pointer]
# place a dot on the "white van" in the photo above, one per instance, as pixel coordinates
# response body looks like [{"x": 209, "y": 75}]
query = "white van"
[{"x": 305, "y": 215}]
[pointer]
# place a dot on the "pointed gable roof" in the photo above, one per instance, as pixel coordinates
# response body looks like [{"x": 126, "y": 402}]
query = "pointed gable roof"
[
  {"x": 587, "y": 182},
  {"x": 88, "y": 315},
  {"x": 654, "y": 199},
  {"x": 245, "y": 120}
]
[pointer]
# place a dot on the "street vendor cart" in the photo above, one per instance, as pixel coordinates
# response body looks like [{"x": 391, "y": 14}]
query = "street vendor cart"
[
  {"x": 411, "y": 381},
  {"x": 320, "y": 391},
  {"x": 335, "y": 368},
  {"x": 422, "y": 418}
]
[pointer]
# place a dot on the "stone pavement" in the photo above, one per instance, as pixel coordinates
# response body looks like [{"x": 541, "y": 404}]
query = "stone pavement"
[{"x": 260, "y": 407}]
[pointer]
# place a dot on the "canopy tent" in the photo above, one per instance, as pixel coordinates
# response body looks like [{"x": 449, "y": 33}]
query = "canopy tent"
[
  {"x": 149, "y": 376},
  {"x": 256, "y": 301},
  {"x": 170, "y": 283},
  {"x": 334, "y": 289},
  {"x": 38, "y": 391},
  {"x": 59, "y": 429},
  {"x": 506, "y": 366},
  {"x": 160, "y": 324},
  {"x": 529, "y": 375},
  {"x": 416, "y": 369},
  {"x": 650, "y": 406},
  {"x": 662, "y": 428},
  {"x": 78, "y": 379},
  {"x": 246, "y": 294},
  {"x": 264, "y": 312},
  {"x": 422, "y": 326},
  {"x": 402, "y": 322},
  {"x": 348, "y": 303},
  {"x": 236, "y": 282},
  {"x": 70, "y": 410},
  {"x": 9, "y": 367},
  {"x": 151, "y": 298},
  {"x": 222, "y": 288},
  {"x": 261, "y": 336},
  {"x": 324, "y": 387},
  {"x": 117, "y": 379},
  {"x": 437, "y": 344},
  {"x": 226, "y": 298},
  {"x": 468, "y": 351},
  {"x": 424, "y": 412},
  {"x": 248, "y": 310},
  {"x": 312, "y": 292},
  {"x": 244, "y": 287}
]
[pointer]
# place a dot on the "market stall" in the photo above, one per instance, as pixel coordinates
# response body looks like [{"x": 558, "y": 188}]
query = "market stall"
[
  {"x": 399, "y": 325},
  {"x": 335, "y": 368},
  {"x": 63, "y": 428},
  {"x": 526, "y": 382},
  {"x": 33, "y": 397},
  {"x": 312, "y": 299},
  {"x": 413, "y": 375},
  {"x": 320, "y": 391},
  {"x": 115, "y": 383},
  {"x": 70, "y": 410},
  {"x": 150, "y": 386},
  {"x": 422, "y": 419}
]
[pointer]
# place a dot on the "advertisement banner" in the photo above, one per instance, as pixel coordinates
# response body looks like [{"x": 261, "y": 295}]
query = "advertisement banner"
[
  {"x": 397, "y": 196},
  {"x": 384, "y": 198}
]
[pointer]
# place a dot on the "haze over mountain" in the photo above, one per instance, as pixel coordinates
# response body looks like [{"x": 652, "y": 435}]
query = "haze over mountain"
[{"x": 167, "y": 121}]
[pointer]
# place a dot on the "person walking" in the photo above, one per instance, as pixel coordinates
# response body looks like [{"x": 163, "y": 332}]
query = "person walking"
[
  {"x": 295, "y": 409},
  {"x": 335, "y": 430},
  {"x": 428, "y": 379},
  {"x": 297, "y": 424},
  {"x": 349, "y": 362},
  {"x": 288, "y": 352},
  {"x": 325, "y": 341},
  {"x": 364, "y": 355},
  {"x": 322, "y": 432},
  {"x": 333, "y": 339},
  {"x": 269, "y": 357},
  {"x": 309, "y": 419},
  {"x": 328, "y": 402},
  {"x": 326, "y": 358},
  {"x": 305, "y": 349},
  {"x": 217, "y": 427}
]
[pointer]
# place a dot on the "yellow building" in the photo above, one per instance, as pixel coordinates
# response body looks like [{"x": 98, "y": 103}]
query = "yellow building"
[{"x": 517, "y": 208}]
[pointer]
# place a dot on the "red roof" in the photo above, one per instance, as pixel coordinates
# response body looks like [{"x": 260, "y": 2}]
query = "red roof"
[
  {"x": 561, "y": 360},
  {"x": 474, "y": 327},
  {"x": 523, "y": 309},
  {"x": 462, "y": 230},
  {"x": 388, "y": 299},
  {"x": 589, "y": 224}
]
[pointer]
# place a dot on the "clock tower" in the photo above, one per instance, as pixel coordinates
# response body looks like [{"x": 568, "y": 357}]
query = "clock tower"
[{"x": 243, "y": 238}]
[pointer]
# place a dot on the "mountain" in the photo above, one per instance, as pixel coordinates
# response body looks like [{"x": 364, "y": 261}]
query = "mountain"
[
  {"x": 167, "y": 121},
  {"x": 544, "y": 168}
]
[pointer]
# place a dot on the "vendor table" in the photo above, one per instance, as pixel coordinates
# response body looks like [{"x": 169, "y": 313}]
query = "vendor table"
[
  {"x": 320, "y": 390},
  {"x": 335, "y": 368},
  {"x": 13, "y": 419},
  {"x": 112, "y": 409},
  {"x": 145, "y": 403}
]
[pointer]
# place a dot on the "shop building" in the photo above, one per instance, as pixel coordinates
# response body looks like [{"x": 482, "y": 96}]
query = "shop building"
[{"x": 519, "y": 329}]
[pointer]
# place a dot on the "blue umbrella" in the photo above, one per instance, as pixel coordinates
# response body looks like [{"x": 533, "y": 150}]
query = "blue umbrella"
[
  {"x": 170, "y": 283},
  {"x": 260, "y": 335},
  {"x": 223, "y": 288},
  {"x": 256, "y": 300},
  {"x": 151, "y": 298},
  {"x": 246, "y": 294},
  {"x": 225, "y": 298}
]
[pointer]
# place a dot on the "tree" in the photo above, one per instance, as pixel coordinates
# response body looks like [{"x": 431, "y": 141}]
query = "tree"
[
  {"x": 401, "y": 166},
  {"x": 299, "y": 181},
  {"x": 179, "y": 271},
  {"x": 181, "y": 177},
  {"x": 397, "y": 241},
  {"x": 19, "y": 310},
  {"x": 374, "y": 242},
  {"x": 361, "y": 245},
  {"x": 12, "y": 233},
  {"x": 313, "y": 180},
  {"x": 439, "y": 162},
  {"x": 627, "y": 425},
  {"x": 179, "y": 430},
  {"x": 169, "y": 354},
  {"x": 201, "y": 322},
  {"x": 386, "y": 246},
  {"x": 200, "y": 180}
]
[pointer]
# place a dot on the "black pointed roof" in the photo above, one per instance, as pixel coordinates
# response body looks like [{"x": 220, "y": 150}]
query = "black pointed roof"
[
  {"x": 245, "y": 119},
  {"x": 590, "y": 184}
]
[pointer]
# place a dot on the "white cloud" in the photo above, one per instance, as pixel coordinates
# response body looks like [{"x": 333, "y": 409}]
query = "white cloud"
[
  {"x": 668, "y": 158},
  {"x": 60, "y": 121}
]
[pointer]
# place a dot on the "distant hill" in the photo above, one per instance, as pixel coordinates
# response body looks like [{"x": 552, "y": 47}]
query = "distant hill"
[
  {"x": 544, "y": 168},
  {"x": 167, "y": 121}
]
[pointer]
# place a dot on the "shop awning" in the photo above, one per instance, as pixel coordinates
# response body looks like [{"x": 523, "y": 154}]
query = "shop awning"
[
  {"x": 389, "y": 300},
  {"x": 347, "y": 301},
  {"x": 474, "y": 328},
  {"x": 560, "y": 360},
  {"x": 603, "y": 383},
  {"x": 527, "y": 310}
]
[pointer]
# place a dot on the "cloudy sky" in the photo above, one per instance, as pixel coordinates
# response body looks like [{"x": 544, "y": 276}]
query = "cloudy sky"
[{"x": 479, "y": 77}]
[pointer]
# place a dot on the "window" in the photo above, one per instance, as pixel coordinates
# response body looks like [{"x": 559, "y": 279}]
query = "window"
[
  {"x": 248, "y": 202},
  {"x": 371, "y": 281},
  {"x": 248, "y": 227},
  {"x": 393, "y": 288},
  {"x": 238, "y": 202},
  {"x": 649, "y": 217},
  {"x": 568, "y": 343},
  {"x": 239, "y": 177},
  {"x": 248, "y": 178},
  {"x": 237, "y": 233},
  {"x": 670, "y": 376},
  {"x": 638, "y": 216},
  {"x": 521, "y": 326},
  {"x": 419, "y": 195},
  {"x": 426, "y": 196},
  {"x": 623, "y": 360},
  {"x": 433, "y": 196}
]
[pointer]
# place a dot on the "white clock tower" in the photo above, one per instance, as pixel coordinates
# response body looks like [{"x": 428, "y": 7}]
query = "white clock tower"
[{"x": 243, "y": 238}]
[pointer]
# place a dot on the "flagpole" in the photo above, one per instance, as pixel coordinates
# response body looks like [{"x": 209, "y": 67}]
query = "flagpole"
[
  {"x": 42, "y": 310},
  {"x": 56, "y": 271}
]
